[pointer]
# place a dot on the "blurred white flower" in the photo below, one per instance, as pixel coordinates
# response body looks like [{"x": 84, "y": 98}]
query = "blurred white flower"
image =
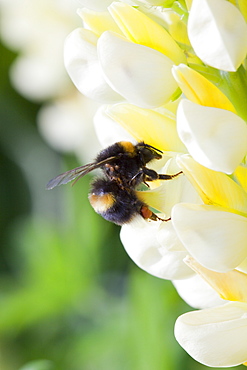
[
  {"x": 66, "y": 125},
  {"x": 36, "y": 30},
  {"x": 98, "y": 5}
]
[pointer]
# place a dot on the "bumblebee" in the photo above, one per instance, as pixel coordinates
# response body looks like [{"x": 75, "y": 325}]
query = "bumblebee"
[{"x": 114, "y": 196}]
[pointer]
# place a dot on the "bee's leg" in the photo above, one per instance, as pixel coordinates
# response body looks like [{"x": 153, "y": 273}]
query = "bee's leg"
[
  {"x": 147, "y": 214},
  {"x": 168, "y": 177},
  {"x": 146, "y": 174},
  {"x": 151, "y": 175},
  {"x": 137, "y": 179}
]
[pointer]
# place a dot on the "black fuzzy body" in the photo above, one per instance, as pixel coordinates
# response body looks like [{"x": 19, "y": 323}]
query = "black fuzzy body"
[
  {"x": 129, "y": 161},
  {"x": 125, "y": 204},
  {"x": 114, "y": 196}
]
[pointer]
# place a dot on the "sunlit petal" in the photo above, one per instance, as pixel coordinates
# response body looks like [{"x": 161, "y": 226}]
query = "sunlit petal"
[
  {"x": 81, "y": 62},
  {"x": 240, "y": 175},
  {"x": 216, "y": 138},
  {"x": 98, "y": 22},
  {"x": 108, "y": 130},
  {"x": 149, "y": 126},
  {"x": 215, "y": 336},
  {"x": 218, "y": 33},
  {"x": 139, "y": 28},
  {"x": 230, "y": 285},
  {"x": 136, "y": 72},
  {"x": 176, "y": 27},
  {"x": 242, "y": 5},
  {"x": 188, "y": 3},
  {"x": 200, "y": 90},
  {"x": 215, "y": 238},
  {"x": 214, "y": 187}
]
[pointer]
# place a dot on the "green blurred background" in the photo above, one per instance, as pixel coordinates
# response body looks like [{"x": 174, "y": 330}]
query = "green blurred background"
[{"x": 70, "y": 297}]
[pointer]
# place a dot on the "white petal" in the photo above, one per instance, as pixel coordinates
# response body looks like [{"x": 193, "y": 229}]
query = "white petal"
[
  {"x": 109, "y": 131},
  {"x": 216, "y": 138},
  {"x": 140, "y": 74},
  {"x": 197, "y": 293},
  {"x": 140, "y": 241},
  {"x": 216, "y": 336},
  {"x": 218, "y": 33},
  {"x": 81, "y": 62},
  {"x": 216, "y": 239}
]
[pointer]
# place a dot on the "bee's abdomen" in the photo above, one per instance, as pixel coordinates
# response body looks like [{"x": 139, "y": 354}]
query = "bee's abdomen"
[
  {"x": 114, "y": 203},
  {"x": 101, "y": 202}
]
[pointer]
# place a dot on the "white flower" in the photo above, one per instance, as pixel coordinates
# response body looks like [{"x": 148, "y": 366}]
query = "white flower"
[
  {"x": 136, "y": 72},
  {"x": 123, "y": 54},
  {"x": 36, "y": 30},
  {"x": 149, "y": 246},
  {"x": 82, "y": 64},
  {"x": 216, "y": 138},
  {"x": 197, "y": 293},
  {"x": 38, "y": 72},
  {"x": 216, "y": 336},
  {"x": 218, "y": 33},
  {"x": 214, "y": 237}
]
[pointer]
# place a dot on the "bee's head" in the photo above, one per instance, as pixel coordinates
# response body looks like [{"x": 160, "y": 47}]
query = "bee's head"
[{"x": 148, "y": 152}]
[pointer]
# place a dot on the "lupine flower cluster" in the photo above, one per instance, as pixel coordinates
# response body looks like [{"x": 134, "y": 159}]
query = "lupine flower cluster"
[{"x": 173, "y": 74}]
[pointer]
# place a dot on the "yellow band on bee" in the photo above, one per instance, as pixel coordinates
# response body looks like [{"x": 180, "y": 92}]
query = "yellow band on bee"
[
  {"x": 128, "y": 147},
  {"x": 101, "y": 203}
]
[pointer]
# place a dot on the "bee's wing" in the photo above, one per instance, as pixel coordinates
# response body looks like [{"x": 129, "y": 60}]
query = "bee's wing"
[
  {"x": 70, "y": 175},
  {"x": 76, "y": 173}
]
